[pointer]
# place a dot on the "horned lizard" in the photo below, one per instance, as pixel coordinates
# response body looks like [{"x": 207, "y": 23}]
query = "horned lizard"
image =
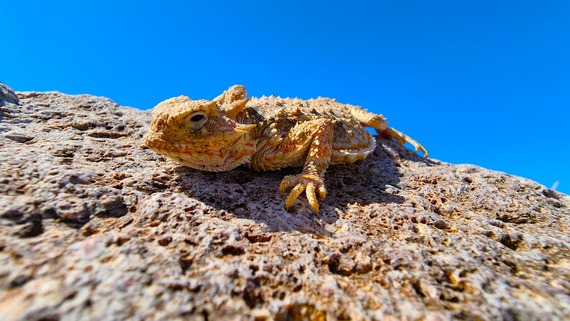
[{"x": 268, "y": 133}]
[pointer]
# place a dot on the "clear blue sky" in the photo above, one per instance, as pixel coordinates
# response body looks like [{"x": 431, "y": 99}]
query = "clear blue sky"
[{"x": 479, "y": 82}]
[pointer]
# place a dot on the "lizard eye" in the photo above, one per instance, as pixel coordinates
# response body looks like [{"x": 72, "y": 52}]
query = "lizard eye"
[{"x": 197, "y": 120}]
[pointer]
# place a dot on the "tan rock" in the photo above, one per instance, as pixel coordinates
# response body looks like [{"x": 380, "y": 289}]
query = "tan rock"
[{"x": 93, "y": 226}]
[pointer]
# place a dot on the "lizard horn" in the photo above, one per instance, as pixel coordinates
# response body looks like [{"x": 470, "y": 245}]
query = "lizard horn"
[{"x": 235, "y": 108}]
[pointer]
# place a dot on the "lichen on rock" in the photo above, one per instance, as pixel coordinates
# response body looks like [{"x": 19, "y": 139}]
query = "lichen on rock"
[{"x": 95, "y": 226}]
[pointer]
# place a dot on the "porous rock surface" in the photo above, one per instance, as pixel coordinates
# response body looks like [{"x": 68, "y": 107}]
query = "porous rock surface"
[{"x": 94, "y": 226}]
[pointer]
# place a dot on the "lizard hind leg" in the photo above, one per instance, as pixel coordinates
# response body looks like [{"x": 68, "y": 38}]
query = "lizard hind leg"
[
  {"x": 379, "y": 123},
  {"x": 402, "y": 138}
]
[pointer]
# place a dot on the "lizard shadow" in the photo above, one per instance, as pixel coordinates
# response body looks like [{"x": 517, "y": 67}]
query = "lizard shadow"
[
  {"x": 374, "y": 180},
  {"x": 247, "y": 194}
]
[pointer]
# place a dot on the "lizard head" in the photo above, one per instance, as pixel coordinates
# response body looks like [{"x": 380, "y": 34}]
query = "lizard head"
[{"x": 200, "y": 134}]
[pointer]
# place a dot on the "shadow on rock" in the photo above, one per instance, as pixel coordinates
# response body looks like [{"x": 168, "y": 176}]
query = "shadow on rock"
[
  {"x": 246, "y": 194},
  {"x": 254, "y": 195}
]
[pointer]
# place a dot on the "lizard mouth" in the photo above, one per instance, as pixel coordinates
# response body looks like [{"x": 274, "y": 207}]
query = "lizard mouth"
[{"x": 198, "y": 157}]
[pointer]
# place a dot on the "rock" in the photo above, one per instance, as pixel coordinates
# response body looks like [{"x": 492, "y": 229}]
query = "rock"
[
  {"x": 7, "y": 95},
  {"x": 94, "y": 226}
]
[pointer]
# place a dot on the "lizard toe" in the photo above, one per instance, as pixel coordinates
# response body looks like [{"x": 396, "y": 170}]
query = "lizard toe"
[
  {"x": 295, "y": 192},
  {"x": 310, "y": 184}
]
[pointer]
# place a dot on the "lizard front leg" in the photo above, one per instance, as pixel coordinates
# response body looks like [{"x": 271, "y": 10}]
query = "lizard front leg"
[{"x": 311, "y": 180}]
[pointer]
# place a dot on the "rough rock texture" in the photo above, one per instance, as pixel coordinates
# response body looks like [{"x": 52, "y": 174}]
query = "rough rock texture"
[{"x": 93, "y": 226}]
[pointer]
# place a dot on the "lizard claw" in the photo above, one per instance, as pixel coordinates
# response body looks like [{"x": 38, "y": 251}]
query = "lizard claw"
[{"x": 310, "y": 184}]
